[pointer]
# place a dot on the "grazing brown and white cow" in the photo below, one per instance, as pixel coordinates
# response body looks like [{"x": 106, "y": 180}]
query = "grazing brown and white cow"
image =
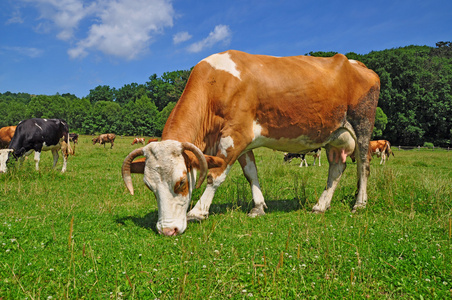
[
  {"x": 138, "y": 140},
  {"x": 381, "y": 148},
  {"x": 39, "y": 135},
  {"x": 315, "y": 153},
  {"x": 6, "y": 135},
  {"x": 105, "y": 138},
  {"x": 234, "y": 102}
]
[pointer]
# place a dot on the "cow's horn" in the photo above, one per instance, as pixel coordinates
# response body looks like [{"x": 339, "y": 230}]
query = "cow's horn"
[
  {"x": 126, "y": 168},
  {"x": 201, "y": 159}
]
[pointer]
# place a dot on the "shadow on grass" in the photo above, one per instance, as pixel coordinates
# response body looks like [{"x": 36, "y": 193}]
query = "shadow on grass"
[
  {"x": 272, "y": 206},
  {"x": 148, "y": 221}
]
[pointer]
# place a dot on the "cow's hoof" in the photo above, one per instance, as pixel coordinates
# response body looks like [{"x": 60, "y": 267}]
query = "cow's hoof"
[
  {"x": 356, "y": 208},
  {"x": 196, "y": 218},
  {"x": 316, "y": 210},
  {"x": 256, "y": 212}
]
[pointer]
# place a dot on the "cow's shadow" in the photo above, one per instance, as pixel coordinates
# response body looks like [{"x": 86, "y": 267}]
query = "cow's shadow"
[{"x": 149, "y": 220}]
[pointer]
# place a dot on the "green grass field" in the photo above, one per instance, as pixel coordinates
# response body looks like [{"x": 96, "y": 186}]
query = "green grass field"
[{"x": 80, "y": 235}]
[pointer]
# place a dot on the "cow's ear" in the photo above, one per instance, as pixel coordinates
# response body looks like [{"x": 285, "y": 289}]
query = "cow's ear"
[
  {"x": 137, "y": 166},
  {"x": 192, "y": 161},
  {"x": 214, "y": 161}
]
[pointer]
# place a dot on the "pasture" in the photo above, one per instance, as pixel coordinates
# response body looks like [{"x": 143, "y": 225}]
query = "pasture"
[{"x": 81, "y": 235}]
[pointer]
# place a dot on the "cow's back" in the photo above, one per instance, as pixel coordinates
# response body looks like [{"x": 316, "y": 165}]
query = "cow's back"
[{"x": 287, "y": 96}]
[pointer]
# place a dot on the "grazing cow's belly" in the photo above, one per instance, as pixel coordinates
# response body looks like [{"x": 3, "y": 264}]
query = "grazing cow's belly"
[
  {"x": 301, "y": 143},
  {"x": 46, "y": 147}
]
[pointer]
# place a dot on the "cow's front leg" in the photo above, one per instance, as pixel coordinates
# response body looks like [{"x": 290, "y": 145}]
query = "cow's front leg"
[
  {"x": 201, "y": 210},
  {"x": 248, "y": 164},
  {"x": 37, "y": 159},
  {"x": 336, "y": 168}
]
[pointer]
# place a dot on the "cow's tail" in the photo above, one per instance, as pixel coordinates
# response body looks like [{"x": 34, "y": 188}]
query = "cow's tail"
[
  {"x": 388, "y": 149},
  {"x": 69, "y": 148}
]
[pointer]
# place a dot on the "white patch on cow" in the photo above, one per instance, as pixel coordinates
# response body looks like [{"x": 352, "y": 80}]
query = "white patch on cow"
[
  {"x": 3, "y": 159},
  {"x": 257, "y": 130},
  {"x": 223, "y": 62},
  {"x": 251, "y": 171},
  {"x": 294, "y": 145},
  {"x": 226, "y": 143},
  {"x": 38, "y": 126}
]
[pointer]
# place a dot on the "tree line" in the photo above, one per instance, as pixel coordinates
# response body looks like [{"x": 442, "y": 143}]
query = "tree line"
[{"x": 415, "y": 105}]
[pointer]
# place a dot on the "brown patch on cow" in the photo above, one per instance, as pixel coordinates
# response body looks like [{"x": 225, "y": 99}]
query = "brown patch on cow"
[
  {"x": 6, "y": 134},
  {"x": 182, "y": 187}
]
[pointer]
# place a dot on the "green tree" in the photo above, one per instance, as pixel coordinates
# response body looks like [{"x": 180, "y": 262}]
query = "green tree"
[
  {"x": 167, "y": 88},
  {"x": 140, "y": 117},
  {"x": 130, "y": 92},
  {"x": 101, "y": 93},
  {"x": 380, "y": 123}
]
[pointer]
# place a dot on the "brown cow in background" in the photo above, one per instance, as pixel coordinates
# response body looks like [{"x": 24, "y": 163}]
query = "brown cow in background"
[
  {"x": 138, "y": 140},
  {"x": 6, "y": 134},
  {"x": 105, "y": 138}
]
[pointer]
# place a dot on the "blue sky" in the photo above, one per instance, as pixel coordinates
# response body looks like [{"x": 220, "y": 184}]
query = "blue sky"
[{"x": 72, "y": 46}]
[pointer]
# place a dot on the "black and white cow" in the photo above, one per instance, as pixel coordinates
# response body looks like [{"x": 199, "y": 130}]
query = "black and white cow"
[
  {"x": 39, "y": 135},
  {"x": 315, "y": 153}
]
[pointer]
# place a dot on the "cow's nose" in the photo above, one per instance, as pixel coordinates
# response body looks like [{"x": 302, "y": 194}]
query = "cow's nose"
[{"x": 169, "y": 231}]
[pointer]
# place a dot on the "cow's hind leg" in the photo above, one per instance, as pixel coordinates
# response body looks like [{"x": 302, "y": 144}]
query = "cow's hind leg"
[
  {"x": 248, "y": 164},
  {"x": 65, "y": 153},
  {"x": 363, "y": 129},
  {"x": 363, "y": 170},
  {"x": 337, "y": 166},
  {"x": 55, "y": 156}
]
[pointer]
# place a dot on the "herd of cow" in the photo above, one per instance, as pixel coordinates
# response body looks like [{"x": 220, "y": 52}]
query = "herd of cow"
[
  {"x": 37, "y": 135},
  {"x": 235, "y": 102}
]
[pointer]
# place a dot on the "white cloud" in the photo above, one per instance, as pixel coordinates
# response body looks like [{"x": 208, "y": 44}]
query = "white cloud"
[
  {"x": 16, "y": 18},
  {"x": 126, "y": 28},
  {"x": 25, "y": 51},
  {"x": 181, "y": 37},
  {"x": 122, "y": 28},
  {"x": 221, "y": 33},
  {"x": 64, "y": 14}
]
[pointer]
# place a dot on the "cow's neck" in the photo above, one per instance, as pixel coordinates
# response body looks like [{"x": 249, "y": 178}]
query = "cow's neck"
[{"x": 191, "y": 123}]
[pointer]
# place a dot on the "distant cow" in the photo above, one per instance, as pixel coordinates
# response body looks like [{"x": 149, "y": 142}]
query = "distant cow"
[
  {"x": 105, "y": 138},
  {"x": 138, "y": 140},
  {"x": 39, "y": 135},
  {"x": 381, "y": 148},
  {"x": 152, "y": 140},
  {"x": 73, "y": 137},
  {"x": 315, "y": 153},
  {"x": 6, "y": 134}
]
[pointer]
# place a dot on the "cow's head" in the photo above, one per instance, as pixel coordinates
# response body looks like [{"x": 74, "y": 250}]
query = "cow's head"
[
  {"x": 169, "y": 171},
  {"x": 4, "y": 155}
]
